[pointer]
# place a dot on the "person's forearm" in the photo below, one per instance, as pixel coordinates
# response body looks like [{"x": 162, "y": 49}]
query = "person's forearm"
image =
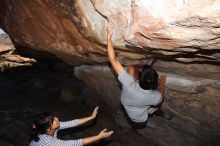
[
  {"x": 90, "y": 140},
  {"x": 162, "y": 85},
  {"x": 84, "y": 120},
  {"x": 111, "y": 55},
  {"x": 162, "y": 90},
  {"x": 111, "y": 51}
]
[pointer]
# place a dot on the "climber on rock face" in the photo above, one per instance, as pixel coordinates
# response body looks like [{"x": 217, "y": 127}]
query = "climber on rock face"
[
  {"x": 139, "y": 87},
  {"x": 45, "y": 127}
]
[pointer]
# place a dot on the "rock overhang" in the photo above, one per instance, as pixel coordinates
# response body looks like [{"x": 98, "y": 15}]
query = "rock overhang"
[{"x": 75, "y": 31}]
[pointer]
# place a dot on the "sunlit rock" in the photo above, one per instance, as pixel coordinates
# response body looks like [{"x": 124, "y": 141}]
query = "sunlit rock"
[{"x": 75, "y": 31}]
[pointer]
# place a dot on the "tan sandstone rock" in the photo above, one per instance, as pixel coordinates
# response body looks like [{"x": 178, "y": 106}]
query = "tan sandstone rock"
[{"x": 74, "y": 31}]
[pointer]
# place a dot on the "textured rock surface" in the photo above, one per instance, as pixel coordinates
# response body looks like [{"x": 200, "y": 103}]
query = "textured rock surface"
[
  {"x": 194, "y": 103},
  {"x": 74, "y": 31},
  {"x": 8, "y": 60},
  {"x": 4, "y": 39},
  {"x": 182, "y": 34}
]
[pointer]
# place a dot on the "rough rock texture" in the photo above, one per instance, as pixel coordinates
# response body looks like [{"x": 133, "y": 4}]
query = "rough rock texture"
[
  {"x": 74, "y": 30},
  {"x": 4, "y": 39},
  {"x": 8, "y": 60},
  {"x": 183, "y": 35},
  {"x": 194, "y": 104}
]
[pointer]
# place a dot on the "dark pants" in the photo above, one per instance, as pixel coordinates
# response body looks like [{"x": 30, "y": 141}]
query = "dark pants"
[{"x": 136, "y": 125}]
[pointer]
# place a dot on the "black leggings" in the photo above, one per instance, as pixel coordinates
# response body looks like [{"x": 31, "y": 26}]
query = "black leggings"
[{"x": 136, "y": 125}]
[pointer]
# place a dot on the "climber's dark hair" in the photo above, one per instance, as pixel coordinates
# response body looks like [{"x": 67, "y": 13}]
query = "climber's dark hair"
[
  {"x": 41, "y": 123},
  {"x": 148, "y": 78}
]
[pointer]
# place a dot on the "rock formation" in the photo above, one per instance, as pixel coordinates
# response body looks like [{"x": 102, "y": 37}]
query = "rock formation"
[
  {"x": 182, "y": 35},
  {"x": 74, "y": 30},
  {"x": 8, "y": 60}
]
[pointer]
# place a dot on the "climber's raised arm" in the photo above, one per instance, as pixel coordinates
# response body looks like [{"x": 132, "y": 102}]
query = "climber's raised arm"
[{"x": 111, "y": 53}]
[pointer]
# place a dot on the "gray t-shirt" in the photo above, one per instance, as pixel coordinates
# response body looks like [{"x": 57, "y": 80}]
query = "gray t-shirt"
[{"x": 136, "y": 100}]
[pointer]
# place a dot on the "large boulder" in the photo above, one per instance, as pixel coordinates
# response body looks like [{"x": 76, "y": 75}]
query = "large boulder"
[
  {"x": 183, "y": 35},
  {"x": 74, "y": 30}
]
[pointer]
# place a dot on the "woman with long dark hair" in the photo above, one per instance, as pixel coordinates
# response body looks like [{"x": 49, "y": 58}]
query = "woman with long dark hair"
[{"x": 45, "y": 127}]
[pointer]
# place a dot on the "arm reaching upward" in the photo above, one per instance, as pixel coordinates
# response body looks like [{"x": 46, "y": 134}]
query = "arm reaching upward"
[
  {"x": 111, "y": 53},
  {"x": 89, "y": 118},
  {"x": 78, "y": 122}
]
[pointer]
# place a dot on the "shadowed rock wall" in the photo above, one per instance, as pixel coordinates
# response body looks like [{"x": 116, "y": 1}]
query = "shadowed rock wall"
[
  {"x": 183, "y": 35},
  {"x": 193, "y": 102}
]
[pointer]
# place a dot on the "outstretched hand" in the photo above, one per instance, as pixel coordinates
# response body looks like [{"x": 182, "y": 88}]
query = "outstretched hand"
[
  {"x": 105, "y": 134},
  {"x": 94, "y": 113},
  {"x": 109, "y": 31}
]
